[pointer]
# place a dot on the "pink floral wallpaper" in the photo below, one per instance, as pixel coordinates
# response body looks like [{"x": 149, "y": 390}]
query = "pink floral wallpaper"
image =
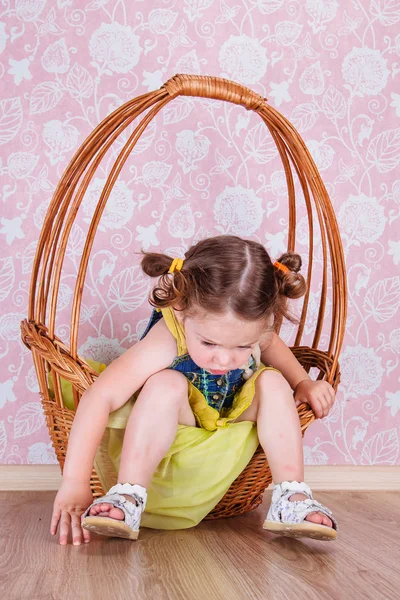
[{"x": 203, "y": 168}]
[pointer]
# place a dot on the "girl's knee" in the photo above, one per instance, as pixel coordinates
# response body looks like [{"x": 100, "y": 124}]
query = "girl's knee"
[
  {"x": 273, "y": 381},
  {"x": 169, "y": 381},
  {"x": 174, "y": 389}
]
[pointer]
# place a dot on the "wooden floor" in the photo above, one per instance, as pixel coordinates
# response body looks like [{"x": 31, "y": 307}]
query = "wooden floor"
[{"x": 227, "y": 559}]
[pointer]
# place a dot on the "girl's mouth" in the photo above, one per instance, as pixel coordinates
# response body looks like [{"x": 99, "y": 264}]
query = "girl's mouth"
[{"x": 217, "y": 372}]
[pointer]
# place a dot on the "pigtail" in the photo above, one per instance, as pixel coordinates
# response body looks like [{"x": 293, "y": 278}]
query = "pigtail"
[
  {"x": 155, "y": 264},
  {"x": 290, "y": 282},
  {"x": 171, "y": 288}
]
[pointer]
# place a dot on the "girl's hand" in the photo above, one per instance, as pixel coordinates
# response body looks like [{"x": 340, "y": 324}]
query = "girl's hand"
[
  {"x": 320, "y": 395},
  {"x": 71, "y": 501}
]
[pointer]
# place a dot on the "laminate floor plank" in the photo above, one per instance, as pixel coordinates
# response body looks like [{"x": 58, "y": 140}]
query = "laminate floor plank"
[{"x": 231, "y": 559}]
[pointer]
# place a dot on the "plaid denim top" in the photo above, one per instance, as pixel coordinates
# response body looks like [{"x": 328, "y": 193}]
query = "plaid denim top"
[{"x": 218, "y": 390}]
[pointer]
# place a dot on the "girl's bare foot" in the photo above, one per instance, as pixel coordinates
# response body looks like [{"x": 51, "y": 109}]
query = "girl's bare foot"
[
  {"x": 315, "y": 517},
  {"x": 108, "y": 510}
]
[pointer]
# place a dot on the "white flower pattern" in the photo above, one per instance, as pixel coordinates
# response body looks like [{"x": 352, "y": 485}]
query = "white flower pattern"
[
  {"x": 60, "y": 138},
  {"x": 362, "y": 218},
  {"x": 239, "y": 209},
  {"x": 116, "y": 47},
  {"x": 119, "y": 208},
  {"x": 101, "y": 349},
  {"x": 361, "y": 370},
  {"x": 243, "y": 59},
  {"x": 365, "y": 70}
]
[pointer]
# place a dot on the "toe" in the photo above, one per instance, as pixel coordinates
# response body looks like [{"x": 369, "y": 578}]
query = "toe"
[
  {"x": 99, "y": 509},
  {"x": 326, "y": 521},
  {"x": 314, "y": 518},
  {"x": 117, "y": 513},
  {"x": 319, "y": 518},
  {"x": 107, "y": 510}
]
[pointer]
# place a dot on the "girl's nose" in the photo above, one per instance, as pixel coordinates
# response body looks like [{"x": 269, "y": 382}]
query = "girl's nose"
[{"x": 222, "y": 359}]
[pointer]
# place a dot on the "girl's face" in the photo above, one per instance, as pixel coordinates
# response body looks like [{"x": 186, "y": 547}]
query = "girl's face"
[{"x": 220, "y": 343}]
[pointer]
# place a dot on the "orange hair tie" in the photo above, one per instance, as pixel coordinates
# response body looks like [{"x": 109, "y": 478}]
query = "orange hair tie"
[{"x": 281, "y": 267}]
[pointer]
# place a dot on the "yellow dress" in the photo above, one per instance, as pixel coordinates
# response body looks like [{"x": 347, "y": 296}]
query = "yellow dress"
[{"x": 202, "y": 462}]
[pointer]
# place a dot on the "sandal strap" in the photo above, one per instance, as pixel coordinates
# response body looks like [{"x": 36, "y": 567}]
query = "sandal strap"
[
  {"x": 283, "y": 510},
  {"x": 131, "y": 490},
  {"x": 285, "y": 489}
]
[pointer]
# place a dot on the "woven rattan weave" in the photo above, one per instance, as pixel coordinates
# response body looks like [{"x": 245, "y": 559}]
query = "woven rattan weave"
[{"x": 51, "y": 355}]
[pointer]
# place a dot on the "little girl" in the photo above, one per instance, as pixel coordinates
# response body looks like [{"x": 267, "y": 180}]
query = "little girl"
[{"x": 212, "y": 381}]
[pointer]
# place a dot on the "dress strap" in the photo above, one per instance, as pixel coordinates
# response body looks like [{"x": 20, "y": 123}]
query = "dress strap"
[{"x": 176, "y": 329}]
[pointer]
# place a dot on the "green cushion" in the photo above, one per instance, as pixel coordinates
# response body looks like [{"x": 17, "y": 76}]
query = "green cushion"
[{"x": 66, "y": 386}]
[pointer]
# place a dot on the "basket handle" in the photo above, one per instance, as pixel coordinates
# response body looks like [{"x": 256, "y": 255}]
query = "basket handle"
[{"x": 215, "y": 88}]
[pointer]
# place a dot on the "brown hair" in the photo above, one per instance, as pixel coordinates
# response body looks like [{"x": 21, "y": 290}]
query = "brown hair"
[{"x": 227, "y": 272}]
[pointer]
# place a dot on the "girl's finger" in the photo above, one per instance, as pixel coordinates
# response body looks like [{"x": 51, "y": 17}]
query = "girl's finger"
[
  {"x": 76, "y": 529},
  {"x": 64, "y": 527},
  {"x": 326, "y": 404},
  {"x": 329, "y": 400},
  {"x": 86, "y": 535},
  {"x": 54, "y": 520},
  {"x": 317, "y": 407}
]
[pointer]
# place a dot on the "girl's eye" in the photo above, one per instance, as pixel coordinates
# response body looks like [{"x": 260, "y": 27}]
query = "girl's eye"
[{"x": 240, "y": 347}]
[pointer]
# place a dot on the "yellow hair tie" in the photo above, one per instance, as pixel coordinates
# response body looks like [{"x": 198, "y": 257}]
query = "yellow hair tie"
[
  {"x": 281, "y": 267},
  {"x": 176, "y": 265}
]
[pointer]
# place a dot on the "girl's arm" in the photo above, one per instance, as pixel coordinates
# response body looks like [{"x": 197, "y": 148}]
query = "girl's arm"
[
  {"x": 320, "y": 395},
  {"x": 111, "y": 390},
  {"x": 275, "y": 353}
]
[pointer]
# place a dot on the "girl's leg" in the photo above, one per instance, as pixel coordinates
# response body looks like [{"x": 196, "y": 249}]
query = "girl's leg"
[
  {"x": 279, "y": 432},
  {"x": 161, "y": 406}
]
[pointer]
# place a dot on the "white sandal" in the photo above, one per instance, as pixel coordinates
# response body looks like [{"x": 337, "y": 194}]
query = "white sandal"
[
  {"x": 129, "y": 527},
  {"x": 288, "y": 518}
]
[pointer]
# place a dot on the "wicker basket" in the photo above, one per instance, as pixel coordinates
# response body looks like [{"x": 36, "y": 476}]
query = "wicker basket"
[{"x": 51, "y": 355}]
